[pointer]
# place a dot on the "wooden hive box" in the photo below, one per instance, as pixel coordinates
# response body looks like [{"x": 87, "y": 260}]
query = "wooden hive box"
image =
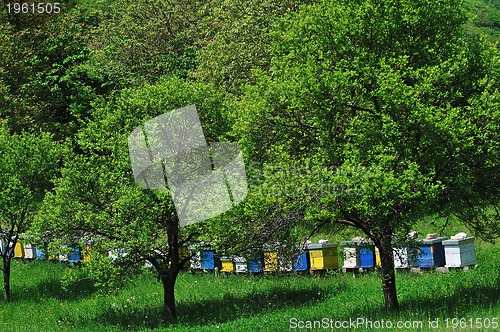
[
  {"x": 285, "y": 263},
  {"x": 40, "y": 253},
  {"x": 459, "y": 253},
  {"x": 300, "y": 262},
  {"x": 227, "y": 264},
  {"x": 352, "y": 257},
  {"x": 378, "y": 262},
  {"x": 256, "y": 264},
  {"x": 240, "y": 264},
  {"x": 29, "y": 251},
  {"x": 405, "y": 257},
  {"x": 87, "y": 253},
  {"x": 271, "y": 263},
  {"x": 74, "y": 256},
  {"x": 431, "y": 253},
  {"x": 4, "y": 248},
  {"x": 323, "y": 256},
  {"x": 195, "y": 260},
  {"x": 367, "y": 255},
  {"x": 19, "y": 250},
  {"x": 210, "y": 260}
]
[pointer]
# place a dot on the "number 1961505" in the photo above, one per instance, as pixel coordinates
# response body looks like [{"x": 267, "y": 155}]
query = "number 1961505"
[{"x": 33, "y": 8}]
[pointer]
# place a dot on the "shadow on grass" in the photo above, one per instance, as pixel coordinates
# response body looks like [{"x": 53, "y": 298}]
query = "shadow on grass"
[
  {"x": 229, "y": 308},
  {"x": 464, "y": 300},
  {"x": 206, "y": 312},
  {"x": 49, "y": 286},
  {"x": 52, "y": 289},
  {"x": 461, "y": 301}
]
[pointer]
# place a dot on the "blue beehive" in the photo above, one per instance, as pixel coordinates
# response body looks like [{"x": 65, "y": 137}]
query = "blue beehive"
[
  {"x": 300, "y": 262},
  {"x": 74, "y": 256},
  {"x": 40, "y": 253},
  {"x": 367, "y": 256},
  {"x": 256, "y": 264},
  {"x": 431, "y": 253},
  {"x": 210, "y": 260}
]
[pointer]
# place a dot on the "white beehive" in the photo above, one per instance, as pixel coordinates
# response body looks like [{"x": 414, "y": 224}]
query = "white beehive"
[
  {"x": 405, "y": 257},
  {"x": 459, "y": 252},
  {"x": 240, "y": 264},
  {"x": 195, "y": 261},
  {"x": 352, "y": 256},
  {"x": 29, "y": 251}
]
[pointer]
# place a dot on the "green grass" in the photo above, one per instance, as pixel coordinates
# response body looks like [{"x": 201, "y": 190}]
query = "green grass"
[{"x": 245, "y": 303}]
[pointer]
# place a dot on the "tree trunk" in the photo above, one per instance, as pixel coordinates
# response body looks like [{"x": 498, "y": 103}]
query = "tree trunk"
[
  {"x": 388, "y": 275},
  {"x": 169, "y": 272},
  {"x": 169, "y": 310},
  {"x": 6, "y": 277}
]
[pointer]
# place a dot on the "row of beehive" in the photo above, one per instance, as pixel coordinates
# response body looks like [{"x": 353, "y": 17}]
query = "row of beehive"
[
  {"x": 427, "y": 253},
  {"x": 29, "y": 251},
  {"x": 424, "y": 253}
]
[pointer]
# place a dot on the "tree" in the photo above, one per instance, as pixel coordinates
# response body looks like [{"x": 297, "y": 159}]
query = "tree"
[
  {"x": 28, "y": 164},
  {"x": 389, "y": 111},
  {"x": 97, "y": 201},
  {"x": 138, "y": 42},
  {"x": 44, "y": 81},
  {"x": 235, "y": 39}
]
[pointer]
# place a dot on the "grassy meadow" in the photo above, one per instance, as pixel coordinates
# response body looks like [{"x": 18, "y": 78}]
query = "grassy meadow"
[{"x": 248, "y": 303}]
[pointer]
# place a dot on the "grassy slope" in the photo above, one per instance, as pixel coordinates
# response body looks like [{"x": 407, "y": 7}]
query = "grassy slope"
[{"x": 245, "y": 303}]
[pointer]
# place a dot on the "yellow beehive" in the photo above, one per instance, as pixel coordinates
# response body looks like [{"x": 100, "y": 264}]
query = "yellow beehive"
[
  {"x": 378, "y": 262},
  {"x": 227, "y": 264},
  {"x": 87, "y": 253},
  {"x": 19, "y": 250},
  {"x": 271, "y": 261},
  {"x": 323, "y": 256}
]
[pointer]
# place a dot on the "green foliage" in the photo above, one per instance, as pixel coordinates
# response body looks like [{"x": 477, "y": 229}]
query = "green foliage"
[
  {"x": 235, "y": 39},
  {"x": 43, "y": 81},
  {"x": 28, "y": 164},
  {"x": 366, "y": 92},
  {"x": 139, "y": 42},
  {"x": 484, "y": 18}
]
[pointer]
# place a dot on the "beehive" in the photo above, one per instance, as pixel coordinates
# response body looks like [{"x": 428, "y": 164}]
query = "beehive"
[
  {"x": 19, "y": 250},
  {"x": 29, "y": 251},
  {"x": 300, "y": 262},
  {"x": 285, "y": 263},
  {"x": 116, "y": 253},
  {"x": 367, "y": 255},
  {"x": 256, "y": 264},
  {"x": 352, "y": 257},
  {"x": 271, "y": 263},
  {"x": 87, "y": 253},
  {"x": 378, "y": 262},
  {"x": 405, "y": 257},
  {"x": 240, "y": 264},
  {"x": 323, "y": 256},
  {"x": 210, "y": 260},
  {"x": 74, "y": 256},
  {"x": 40, "y": 253},
  {"x": 195, "y": 260},
  {"x": 431, "y": 253},
  {"x": 227, "y": 264},
  {"x": 460, "y": 252},
  {"x": 4, "y": 248}
]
